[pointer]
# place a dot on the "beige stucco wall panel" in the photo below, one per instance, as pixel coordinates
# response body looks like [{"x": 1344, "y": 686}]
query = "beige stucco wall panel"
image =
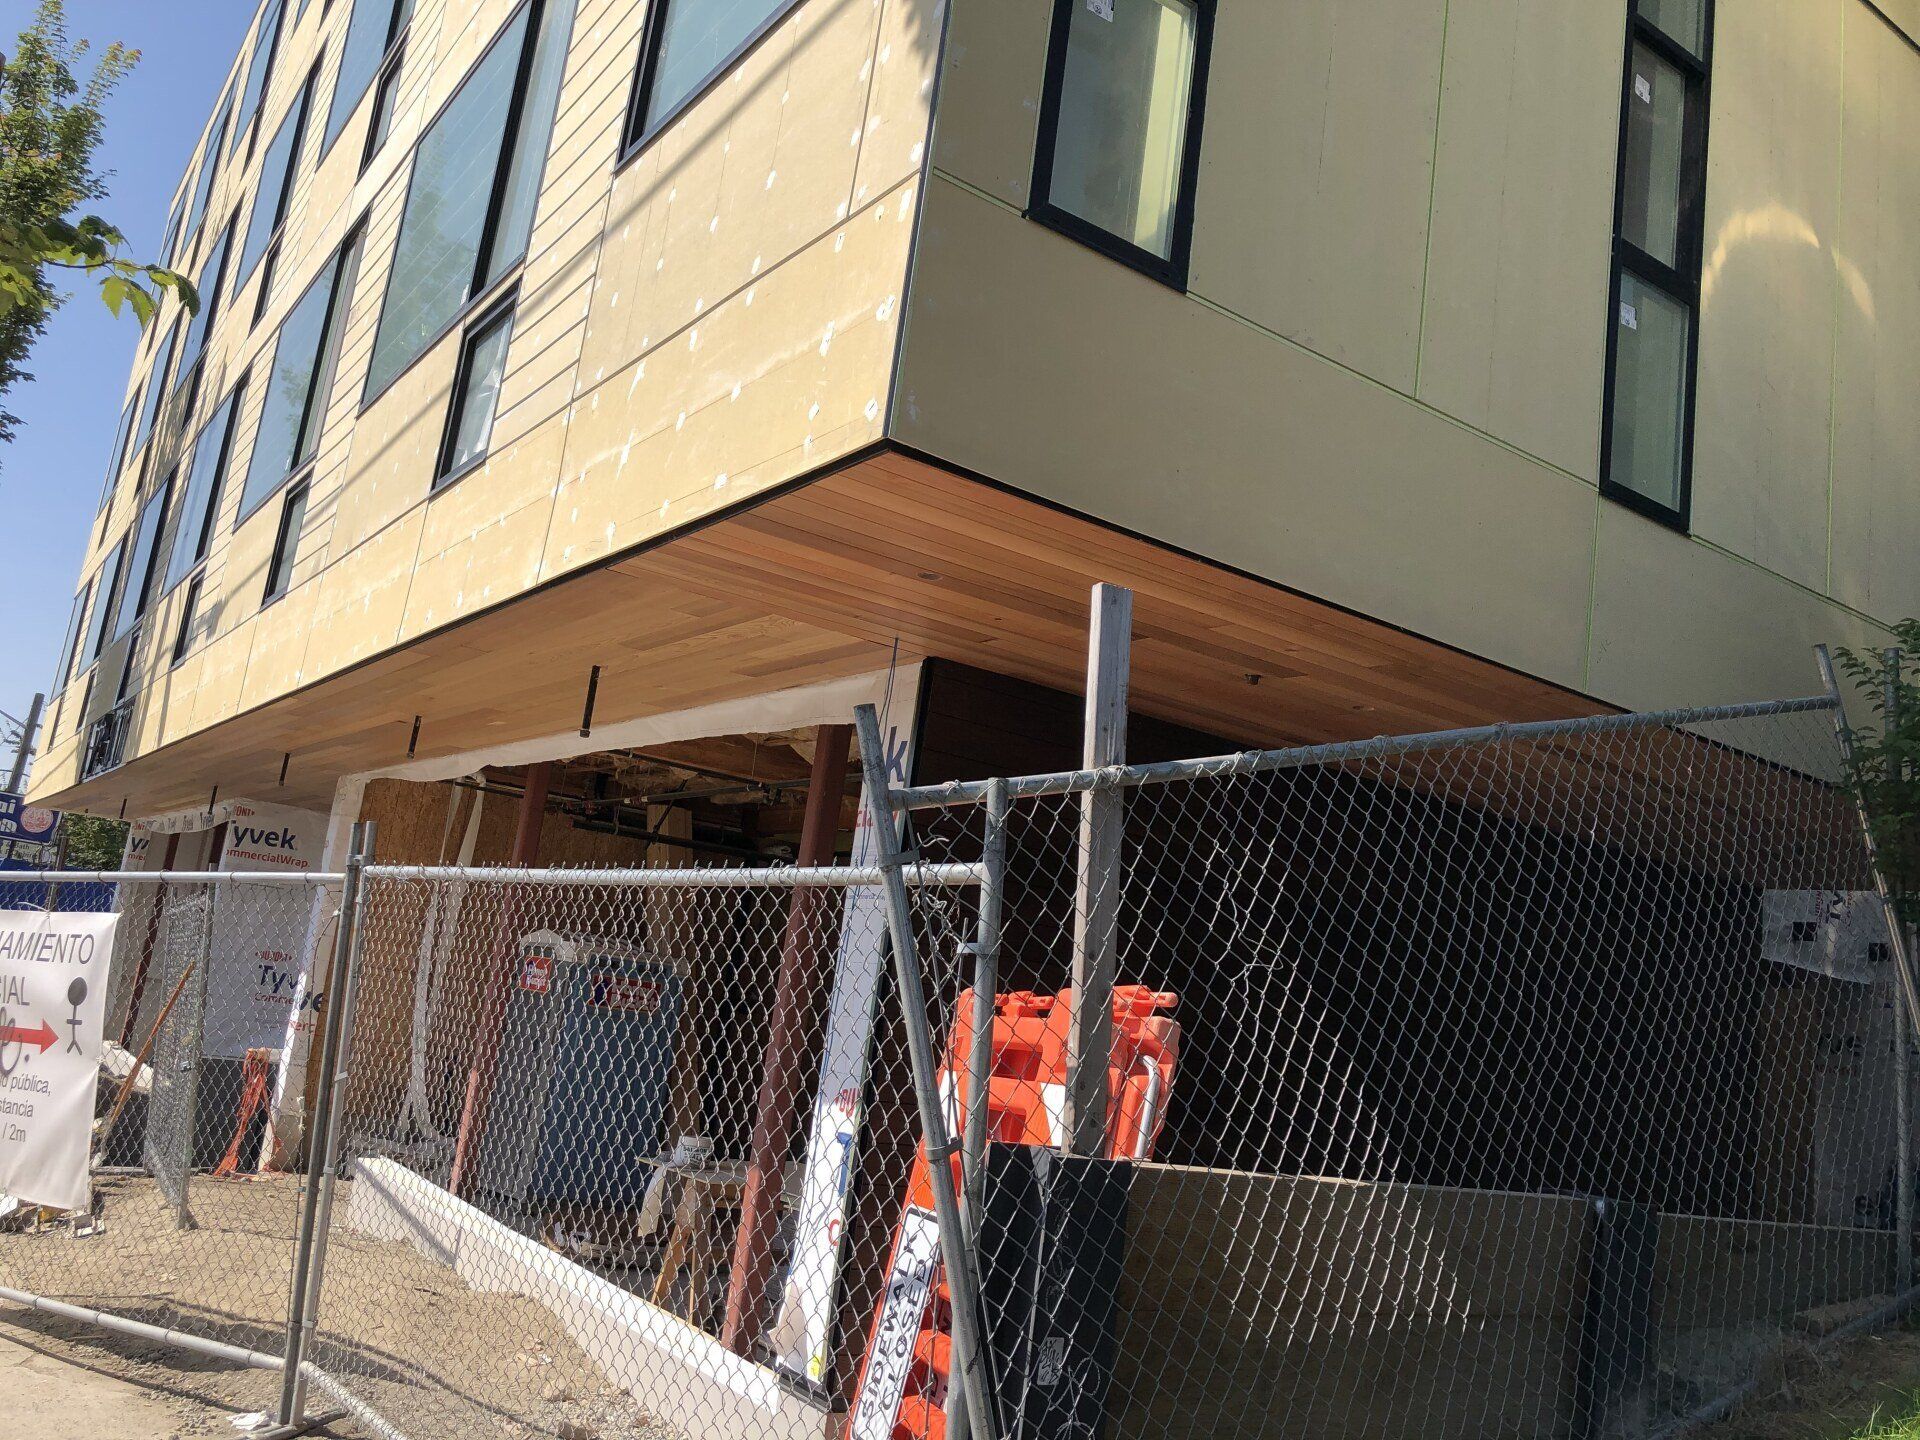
[
  {"x": 990, "y": 96},
  {"x": 482, "y": 536},
  {"x": 783, "y": 377},
  {"x": 1677, "y": 622},
  {"x": 1514, "y": 337},
  {"x": 361, "y": 597},
  {"x": 1073, "y": 378},
  {"x": 1315, "y": 178},
  {"x": 395, "y": 444},
  {"x": 274, "y": 665},
  {"x": 1876, "y": 423},
  {"x": 905, "y": 56},
  {"x": 756, "y": 172},
  {"x": 1767, "y": 287}
]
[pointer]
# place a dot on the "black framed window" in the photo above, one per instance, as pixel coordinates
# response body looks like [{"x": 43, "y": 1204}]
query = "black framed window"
[
  {"x": 276, "y": 183},
  {"x": 372, "y": 31},
  {"x": 209, "y": 170},
  {"x": 1653, "y": 334},
  {"x": 68, "y": 647},
  {"x": 157, "y": 384},
  {"x": 175, "y": 217},
  {"x": 470, "y": 198},
  {"x": 106, "y": 594},
  {"x": 265, "y": 46},
  {"x": 286, "y": 544},
  {"x": 476, "y": 391},
  {"x": 686, "y": 46},
  {"x": 200, "y": 500},
  {"x": 123, "y": 437},
  {"x": 212, "y": 274},
  {"x": 386, "y": 96},
  {"x": 1117, "y": 164},
  {"x": 189, "y": 612},
  {"x": 141, "y": 560},
  {"x": 293, "y": 404}
]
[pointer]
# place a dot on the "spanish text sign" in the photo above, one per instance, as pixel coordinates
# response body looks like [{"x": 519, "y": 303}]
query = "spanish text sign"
[{"x": 53, "y": 993}]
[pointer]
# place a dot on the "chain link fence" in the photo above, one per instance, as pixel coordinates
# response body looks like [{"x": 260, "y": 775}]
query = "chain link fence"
[
  {"x": 618, "y": 1151},
  {"x": 1541, "y": 1081},
  {"x": 190, "y": 1234},
  {"x": 1546, "y": 1081}
]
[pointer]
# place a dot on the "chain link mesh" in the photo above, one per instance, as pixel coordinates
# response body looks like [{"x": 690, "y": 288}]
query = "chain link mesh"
[
  {"x": 1544, "y": 1082},
  {"x": 189, "y": 1228},
  {"x": 1534, "y": 1086},
  {"x": 622, "y": 1156}
]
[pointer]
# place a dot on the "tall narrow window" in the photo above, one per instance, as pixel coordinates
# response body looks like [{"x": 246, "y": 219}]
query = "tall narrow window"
[
  {"x": 175, "y": 217},
  {"x": 286, "y": 545},
  {"x": 157, "y": 385},
  {"x": 476, "y": 391},
  {"x": 200, "y": 501},
  {"x": 687, "y": 45},
  {"x": 64, "y": 672},
  {"x": 293, "y": 406},
  {"x": 276, "y": 181},
  {"x": 1118, "y": 160},
  {"x": 209, "y": 169},
  {"x": 476, "y": 173},
  {"x": 259, "y": 69},
  {"x": 106, "y": 582},
  {"x": 386, "y": 96},
  {"x": 122, "y": 438},
  {"x": 189, "y": 613},
  {"x": 140, "y": 560},
  {"x": 371, "y": 32},
  {"x": 1654, "y": 308},
  {"x": 212, "y": 273}
]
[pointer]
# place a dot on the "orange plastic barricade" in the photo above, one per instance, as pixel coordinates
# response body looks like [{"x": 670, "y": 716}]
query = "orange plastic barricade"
[{"x": 903, "y": 1381}]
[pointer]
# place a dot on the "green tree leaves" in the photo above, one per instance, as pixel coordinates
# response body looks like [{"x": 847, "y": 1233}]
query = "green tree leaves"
[{"x": 50, "y": 125}]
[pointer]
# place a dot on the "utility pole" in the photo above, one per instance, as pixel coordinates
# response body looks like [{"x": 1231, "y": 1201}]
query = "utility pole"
[{"x": 24, "y": 751}]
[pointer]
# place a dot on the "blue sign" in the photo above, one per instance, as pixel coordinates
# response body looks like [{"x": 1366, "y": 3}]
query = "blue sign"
[{"x": 27, "y": 823}]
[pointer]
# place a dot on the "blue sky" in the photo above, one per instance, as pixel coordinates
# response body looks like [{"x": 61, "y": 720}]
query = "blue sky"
[{"x": 50, "y": 476}]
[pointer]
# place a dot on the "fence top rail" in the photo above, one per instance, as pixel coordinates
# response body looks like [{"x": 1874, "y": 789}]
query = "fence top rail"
[
  {"x": 1254, "y": 762},
  {"x": 944, "y": 876},
  {"x": 170, "y": 877}
]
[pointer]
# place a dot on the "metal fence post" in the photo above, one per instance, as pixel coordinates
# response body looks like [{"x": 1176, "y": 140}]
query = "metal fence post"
[
  {"x": 956, "y": 1248},
  {"x": 1902, "y": 1051},
  {"x": 1896, "y": 933},
  {"x": 310, "y": 1246},
  {"x": 985, "y": 950}
]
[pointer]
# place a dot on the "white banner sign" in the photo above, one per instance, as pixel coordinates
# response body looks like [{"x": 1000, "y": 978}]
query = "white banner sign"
[
  {"x": 1841, "y": 934},
  {"x": 260, "y": 932},
  {"x": 53, "y": 991},
  {"x": 803, "y": 1335}
]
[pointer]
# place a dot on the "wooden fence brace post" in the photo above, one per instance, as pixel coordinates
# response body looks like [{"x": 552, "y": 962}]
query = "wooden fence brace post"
[{"x": 1096, "y": 909}]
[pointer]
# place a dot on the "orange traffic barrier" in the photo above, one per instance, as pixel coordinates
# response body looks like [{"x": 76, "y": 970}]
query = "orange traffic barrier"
[{"x": 903, "y": 1381}]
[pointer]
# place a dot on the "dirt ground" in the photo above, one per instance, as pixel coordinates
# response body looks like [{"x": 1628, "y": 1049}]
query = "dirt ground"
[
  {"x": 402, "y": 1333},
  {"x": 70, "y": 1399},
  {"x": 1831, "y": 1394}
]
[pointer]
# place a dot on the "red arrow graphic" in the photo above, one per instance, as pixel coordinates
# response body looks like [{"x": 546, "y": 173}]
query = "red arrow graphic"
[{"x": 43, "y": 1037}]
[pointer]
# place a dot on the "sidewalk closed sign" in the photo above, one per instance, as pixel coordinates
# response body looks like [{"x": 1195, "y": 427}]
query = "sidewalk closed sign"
[{"x": 53, "y": 992}]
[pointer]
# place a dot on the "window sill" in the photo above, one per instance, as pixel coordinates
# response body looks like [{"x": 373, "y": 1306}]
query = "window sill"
[
  {"x": 1170, "y": 273},
  {"x": 1675, "y": 520},
  {"x": 631, "y": 149},
  {"x": 302, "y": 471},
  {"x": 470, "y": 307},
  {"x": 453, "y": 477}
]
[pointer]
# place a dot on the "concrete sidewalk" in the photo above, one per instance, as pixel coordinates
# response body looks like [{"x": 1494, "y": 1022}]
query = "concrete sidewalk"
[{"x": 72, "y": 1402}]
